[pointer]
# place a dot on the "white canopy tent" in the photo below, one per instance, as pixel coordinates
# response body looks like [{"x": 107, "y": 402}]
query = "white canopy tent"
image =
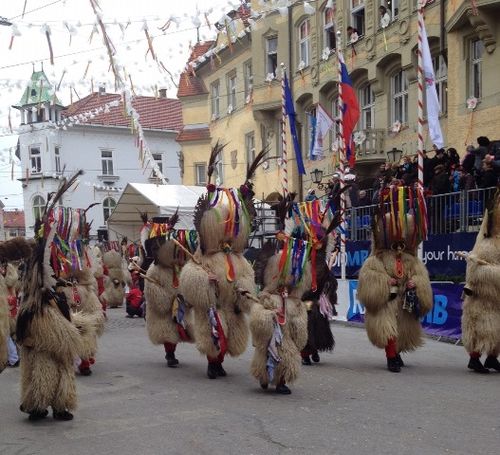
[{"x": 155, "y": 200}]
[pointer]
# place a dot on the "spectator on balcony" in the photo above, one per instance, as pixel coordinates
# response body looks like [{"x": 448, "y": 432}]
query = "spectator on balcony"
[
  {"x": 408, "y": 171},
  {"x": 385, "y": 17},
  {"x": 488, "y": 176},
  {"x": 455, "y": 178},
  {"x": 453, "y": 157},
  {"x": 440, "y": 183},
  {"x": 468, "y": 161},
  {"x": 480, "y": 152},
  {"x": 364, "y": 198}
]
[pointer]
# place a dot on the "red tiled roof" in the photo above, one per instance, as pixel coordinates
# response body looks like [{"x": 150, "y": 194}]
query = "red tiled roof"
[
  {"x": 198, "y": 134},
  {"x": 189, "y": 83},
  {"x": 155, "y": 113},
  {"x": 13, "y": 218}
]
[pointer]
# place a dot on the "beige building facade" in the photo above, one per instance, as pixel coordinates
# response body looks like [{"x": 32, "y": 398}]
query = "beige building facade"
[{"x": 233, "y": 93}]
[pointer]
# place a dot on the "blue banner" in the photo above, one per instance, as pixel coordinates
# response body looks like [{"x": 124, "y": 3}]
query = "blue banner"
[
  {"x": 443, "y": 320},
  {"x": 440, "y": 254}
]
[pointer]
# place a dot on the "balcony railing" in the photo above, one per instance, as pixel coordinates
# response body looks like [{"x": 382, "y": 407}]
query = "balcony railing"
[
  {"x": 447, "y": 213},
  {"x": 372, "y": 148}
]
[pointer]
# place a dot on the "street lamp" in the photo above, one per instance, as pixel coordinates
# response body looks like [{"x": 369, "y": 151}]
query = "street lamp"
[
  {"x": 317, "y": 176},
  {"x": 4, "y": 21},
  {"x": 396, "y": 155}
]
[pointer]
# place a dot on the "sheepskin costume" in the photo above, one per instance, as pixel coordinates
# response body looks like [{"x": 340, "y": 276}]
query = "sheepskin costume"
[
  {"x": 114, "y": 283},
  {"x": 49, "y": 340},
  {"x": 481, "y": 307},
  {"x": 394, "y": 284},
  {"x": 169, "y": 319},
  {"x": 80, "y": 290},
  {"x": 4, "y": 323},
  {"x": 213, "y": 282},
  {"x": 279, "y": 321}
]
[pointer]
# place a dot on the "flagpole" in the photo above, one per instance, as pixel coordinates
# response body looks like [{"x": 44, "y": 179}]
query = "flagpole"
[
  {"x": 420, "y": 105},
  {"x": 342, "y": 149},
  {"x": 284, "y": 161}
]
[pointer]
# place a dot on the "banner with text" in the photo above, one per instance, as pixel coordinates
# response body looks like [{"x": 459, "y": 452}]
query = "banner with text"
[
  {"x": 443, "y": 320},
  {"x": 440, "y": 254}
]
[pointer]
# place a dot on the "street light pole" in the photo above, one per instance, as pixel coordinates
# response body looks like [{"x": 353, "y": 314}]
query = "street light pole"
[{"x": 4, "y": 21}]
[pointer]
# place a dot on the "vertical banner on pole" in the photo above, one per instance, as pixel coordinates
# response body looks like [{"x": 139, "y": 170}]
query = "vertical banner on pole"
[{"x": 284, "y": 160}]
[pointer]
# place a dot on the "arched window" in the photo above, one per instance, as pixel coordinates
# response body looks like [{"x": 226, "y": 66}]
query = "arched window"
[
  {"x": 304, "y": 43},
  {"x": 38, "y": 207},
  {"x": 108, "y": 206}
]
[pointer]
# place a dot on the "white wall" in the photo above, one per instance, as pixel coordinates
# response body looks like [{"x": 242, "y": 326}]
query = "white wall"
[{"x": 80, "y": 148}]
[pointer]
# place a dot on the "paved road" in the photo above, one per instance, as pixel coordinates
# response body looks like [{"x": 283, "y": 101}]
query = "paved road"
[{"x": 349, "y": 404}]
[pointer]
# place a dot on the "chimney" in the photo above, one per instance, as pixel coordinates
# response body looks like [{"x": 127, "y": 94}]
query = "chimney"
[
  {"x": 163, "y": 92},
  {"x": 102, "y": 89}
]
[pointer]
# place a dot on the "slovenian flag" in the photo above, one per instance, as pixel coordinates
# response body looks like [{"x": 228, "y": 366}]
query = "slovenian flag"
[{"x": 350, "y": 113}]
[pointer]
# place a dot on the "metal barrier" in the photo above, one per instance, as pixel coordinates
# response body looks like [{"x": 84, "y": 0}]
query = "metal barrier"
[{"x": 447, "y": 213}]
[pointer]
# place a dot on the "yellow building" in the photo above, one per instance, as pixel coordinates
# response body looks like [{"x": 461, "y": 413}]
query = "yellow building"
[{"x": 234, "y": 92}]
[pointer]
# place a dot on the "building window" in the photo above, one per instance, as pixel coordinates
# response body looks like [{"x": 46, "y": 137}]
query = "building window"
[
  {"x": 200, "y": 174},
  {"x": 476, "y": 61},
  {"x": 215, "y": 89},
  {"x": 38, "y": 207},
  {"x": 57, "y": 156},
  {"x": 35, "y": 160},
  {"x": 248, "y": 77},
  {"x": 367, "y": 104},
  {"x": 304, "y": 43},
  {"x": 271, "y": 55},
  {"x": 334, "y": 131},
  {"x": 441, "y": 75},
  {"x": 358, "y": 15},
  {"x": 219, "y": 169},
  {"x": 393, "y": 8},
  {"x": 108, "y": 206},
  {"x": 158, "y": 157},
  {"x": 250, "y": 147},
  {"x": 231, "y": 92},
  {"x": 107, "y": 162},
  {"x": 329, "y": 38},
  {"x": 399, "y": 97}
]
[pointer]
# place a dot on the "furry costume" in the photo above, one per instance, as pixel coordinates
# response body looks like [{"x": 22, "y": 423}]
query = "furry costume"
[
  {"x": 212, "y": 283},
  {"x": 4, "y": 323},
  {"x": 393, "y": 275},
  {"x": 49, "y": 341},
  {"x": 481, "y": 307},
  {"x": 285, "y": 336},
  {"x": 12, "y": 284},
  {"x": 81, "y": 295},
  {"x": 114, "y": 283},
  {"x": 169, "y": 319}
]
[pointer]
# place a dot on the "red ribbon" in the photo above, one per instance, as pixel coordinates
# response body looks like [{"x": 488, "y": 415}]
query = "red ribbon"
[{"x": 230, "y": 275}]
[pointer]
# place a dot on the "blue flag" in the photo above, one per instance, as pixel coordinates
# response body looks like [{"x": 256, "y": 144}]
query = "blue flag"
[{"x": 290, "y": 112}]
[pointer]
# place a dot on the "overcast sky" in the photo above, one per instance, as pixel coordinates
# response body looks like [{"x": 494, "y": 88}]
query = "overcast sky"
[{"x": 125, "y": 21}]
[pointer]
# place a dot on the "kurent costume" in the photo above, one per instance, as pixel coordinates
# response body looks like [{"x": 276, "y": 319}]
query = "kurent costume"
[
  {"x": 394, "y": 284},
  {"x": 481, "y": 308},
  {"x": 169, "y": 319},
  {"x": 216, "y": 283},
  {"x": 80, "y": 290},
  {"x": 115, "y": 280},
  {"x": 279, "y": 322},
  {"x": 49, "y": 340},
  {"x": 12, "y": 283}
]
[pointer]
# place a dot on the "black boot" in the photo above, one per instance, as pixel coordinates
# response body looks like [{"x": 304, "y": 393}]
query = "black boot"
[
  {"x": 393, "y": 365},
  {"x": 306, "y": 360},
  {"x": 37, "y": 414},
  {"x": 264, "y": 385},
  {"x": 315, "y": 357},
  {"x": 212, "y": 370},
  {"x": 283, "y": 389},
  {"x": 476, "y": 365},
  {"x": 492, "y": 363},
  {"x": 400, "y": 360},
  {"x": 220, "y": 370},
  {"x": 62, "y": 415},
  {"x": 172, "y": 362}
]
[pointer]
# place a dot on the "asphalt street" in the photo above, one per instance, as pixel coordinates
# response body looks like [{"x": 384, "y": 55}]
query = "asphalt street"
[{"x": 348, "y": 404}]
